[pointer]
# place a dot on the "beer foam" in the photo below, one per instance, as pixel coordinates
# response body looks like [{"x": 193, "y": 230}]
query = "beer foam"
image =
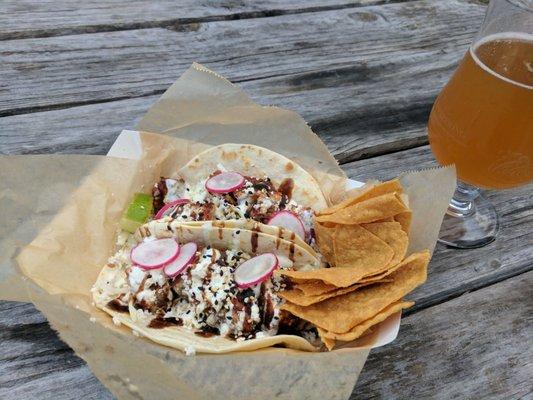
[{"x": 520, "y": 36}]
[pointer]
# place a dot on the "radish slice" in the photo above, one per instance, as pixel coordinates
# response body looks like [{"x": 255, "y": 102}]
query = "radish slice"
[
  {"x": 255, "y": 270},
  {"x": 226, "y": 182},
  {"x": 155, "y": 253},
  {"x": 169, "y": 208},
  {"x": 288, "y": 220},
  {"x": 182, "y": 261}
]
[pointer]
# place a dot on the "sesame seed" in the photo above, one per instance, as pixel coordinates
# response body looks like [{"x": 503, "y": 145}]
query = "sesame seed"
[{"x": 237, "y": 232}]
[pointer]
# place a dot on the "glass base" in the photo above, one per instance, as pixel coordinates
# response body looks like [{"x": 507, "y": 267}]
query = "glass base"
[{"x": 468, "y": 230}]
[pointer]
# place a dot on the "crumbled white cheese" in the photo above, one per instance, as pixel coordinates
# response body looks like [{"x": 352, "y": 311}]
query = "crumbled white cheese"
[{"x": 135, "y": 277}]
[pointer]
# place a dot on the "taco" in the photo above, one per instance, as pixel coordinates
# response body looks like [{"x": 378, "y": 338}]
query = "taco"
[
  {"x": 246, "y": 187},
  {"x": 205, "y": 289}
]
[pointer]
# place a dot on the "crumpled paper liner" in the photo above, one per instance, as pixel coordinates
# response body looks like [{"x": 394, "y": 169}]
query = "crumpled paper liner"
[{"x": 58, "y": 220}]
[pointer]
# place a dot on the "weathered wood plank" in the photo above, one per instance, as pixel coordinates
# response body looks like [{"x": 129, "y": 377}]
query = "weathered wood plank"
[
  {"x": 91, "y": 129},
  {"x": 364, "y": 54},
  {"x": 451, "y": 271},
  {"x": 35, "y": 363},
  {"x": 355, "y": 105},
  {"x": 478, "y": 346},
  {"x": 31, "y": 18}
]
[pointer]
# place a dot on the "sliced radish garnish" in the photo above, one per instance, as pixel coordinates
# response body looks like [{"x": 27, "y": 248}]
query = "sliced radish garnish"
[
  {"x": 226, "y": 182},
  {"x": 182, "y": 261},
  {"x": 155, "y": 253},
  {"x": 169, "y": 208},
  {"x": 288, "y": 220},
  {"x": 255, "y": 270}
]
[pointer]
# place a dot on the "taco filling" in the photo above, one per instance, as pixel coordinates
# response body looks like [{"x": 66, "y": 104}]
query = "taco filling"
[
  {"x": 206, "y": 296},
  {"x": 253, "y": 198}
]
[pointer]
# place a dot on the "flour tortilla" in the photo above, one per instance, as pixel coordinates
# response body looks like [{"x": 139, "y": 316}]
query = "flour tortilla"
[
  {"x": 224, "y": 238},
  {"x": 256, "y": 161},
  {"x": 185, "y": 339},
  {"x": 253, "y": 225},
  {"x": 289, "y": 253}
]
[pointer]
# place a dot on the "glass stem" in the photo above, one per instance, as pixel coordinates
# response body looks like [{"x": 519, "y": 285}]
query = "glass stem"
[{"x": 462, "y": 203}]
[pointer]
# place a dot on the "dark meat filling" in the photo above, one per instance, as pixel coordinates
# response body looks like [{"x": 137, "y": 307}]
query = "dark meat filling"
[{"x": 162, "y": 302}]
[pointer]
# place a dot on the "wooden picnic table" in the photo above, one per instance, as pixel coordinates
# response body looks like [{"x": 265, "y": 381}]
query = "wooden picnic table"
[{"x": 363, "y": 73}]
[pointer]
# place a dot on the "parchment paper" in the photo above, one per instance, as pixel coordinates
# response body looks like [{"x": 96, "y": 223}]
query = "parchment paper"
[{"x": 61, "y": 214}]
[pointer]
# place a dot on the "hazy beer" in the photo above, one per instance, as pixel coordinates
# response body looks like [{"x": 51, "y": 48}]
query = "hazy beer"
[{"x": 482, "y": 120}]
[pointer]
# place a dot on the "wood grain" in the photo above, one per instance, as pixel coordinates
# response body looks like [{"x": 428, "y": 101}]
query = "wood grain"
[
  {"x": 41, "y": 18},
  {"x": 365, "y": 94},
  {"x": 35, "y": 363},
  {"x": 364, "y": 54},
  {"x": 478, "y": 346}
]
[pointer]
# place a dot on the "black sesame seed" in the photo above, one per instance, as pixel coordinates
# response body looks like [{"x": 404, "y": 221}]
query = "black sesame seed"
[
  {"x": 237, "y": 232},
  {"x": 216, "y": 302},
  {"x": 188, "y": 312},
  {"x": 228, "y": 317},
  {"x": 221, "y": 273},
  {"x": 188, "y": 190},
  {"x": 184, "y": 216},
  {"x": 208, "y": 247}
]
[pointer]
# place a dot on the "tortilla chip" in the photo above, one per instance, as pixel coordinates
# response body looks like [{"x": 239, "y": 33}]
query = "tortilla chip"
[
  {"x": 326, "y": 279},
  {"x": 340, "y": 314},
  {"x": 339, "y": 277},
  {"x": 392, "y": 234},
  {"x": 324, "y": 237},
  {"x": 404, "y": 219},
  {"x": 371, "y": 210},
  {"x": 296, "y": 296},
  {"x": 356, "y": 247},
  {"x": 365, "y": 194},
  {"x": 363, "y": 327},
  {"x": 329, "y": 343},
  {"x": 421, "y": 255},
  {"x": 315, "y": 287}
]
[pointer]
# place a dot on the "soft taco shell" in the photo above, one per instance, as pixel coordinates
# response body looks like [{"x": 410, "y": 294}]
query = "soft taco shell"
[
  {"x": 184, "y": 339},
  {"x": 256, "y": 161},
  {"x": 251, "y": 225},
  {"x": 251, "y": 241}
]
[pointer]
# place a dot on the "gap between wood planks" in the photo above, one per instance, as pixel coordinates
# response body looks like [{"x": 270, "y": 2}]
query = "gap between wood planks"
[
  {"x": 445, "y": 296},
  {"x": 183, "y": 24}
]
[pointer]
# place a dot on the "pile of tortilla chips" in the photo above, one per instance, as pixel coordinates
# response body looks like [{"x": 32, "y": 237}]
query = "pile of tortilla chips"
[{"x": 365, "y": 240}]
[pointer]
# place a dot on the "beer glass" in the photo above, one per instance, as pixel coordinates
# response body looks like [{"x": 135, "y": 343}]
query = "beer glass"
[{"x": 482, "y": 121}]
